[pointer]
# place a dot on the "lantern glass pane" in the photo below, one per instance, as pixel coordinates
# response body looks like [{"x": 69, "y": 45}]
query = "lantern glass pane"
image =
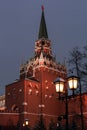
[
  {"x": 26, "y": 122},
  {"x": 59, "y": 87},
  {"x": 75, "y": 83},
  {"x": 72, "y": 83}
]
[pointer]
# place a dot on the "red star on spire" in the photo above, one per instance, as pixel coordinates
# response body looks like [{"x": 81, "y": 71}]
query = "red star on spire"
[{"x": 42, "y": 8}]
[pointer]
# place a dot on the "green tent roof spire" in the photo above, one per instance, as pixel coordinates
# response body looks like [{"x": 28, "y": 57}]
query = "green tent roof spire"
[{"x": 43, "y": 29}]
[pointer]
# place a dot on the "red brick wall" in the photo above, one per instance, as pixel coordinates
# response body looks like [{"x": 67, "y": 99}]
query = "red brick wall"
[
  {"x": 15, "y": 95},
  {"x": 9, "y": 119},
  {"x": 28, "y": 95},
  {"x": 46, "y": 95}
]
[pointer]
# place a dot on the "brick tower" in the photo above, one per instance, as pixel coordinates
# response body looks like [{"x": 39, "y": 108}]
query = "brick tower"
[{"x": 33, "y": 96}]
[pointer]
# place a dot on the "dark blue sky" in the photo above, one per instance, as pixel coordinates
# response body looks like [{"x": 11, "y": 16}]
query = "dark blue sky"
[{"x": 19, "y": 24}]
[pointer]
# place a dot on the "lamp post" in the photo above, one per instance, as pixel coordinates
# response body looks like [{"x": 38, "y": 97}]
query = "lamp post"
[{"x": 59, "y": 84}]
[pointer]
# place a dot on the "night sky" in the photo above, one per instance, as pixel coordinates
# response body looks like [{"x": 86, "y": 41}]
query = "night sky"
[{"x": 19, "y": 25}]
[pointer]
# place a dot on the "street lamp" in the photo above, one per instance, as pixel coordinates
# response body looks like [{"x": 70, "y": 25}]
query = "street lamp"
[
  {"x": 26, "y": 122},
  {"x": 72, "y": 83},
  {"x": 59, "y": 84}
]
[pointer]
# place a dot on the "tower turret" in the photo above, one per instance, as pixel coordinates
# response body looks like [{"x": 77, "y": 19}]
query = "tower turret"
[{"x": 43, "y": 53}]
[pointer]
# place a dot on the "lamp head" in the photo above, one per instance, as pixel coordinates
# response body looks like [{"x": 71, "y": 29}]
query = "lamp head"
[
  {"x": 72, "y": 82},
  {"x": 59, "y": 84}
]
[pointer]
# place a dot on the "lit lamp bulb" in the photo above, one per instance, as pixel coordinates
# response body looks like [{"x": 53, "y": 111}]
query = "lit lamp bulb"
[
  {"x": 59, "y": 87},
  {"x": 73, "y": 81},
  {"x": 23, "y": 124},
  {"x": 26, "y": 122},
  {"x": 59, "y": 84}
]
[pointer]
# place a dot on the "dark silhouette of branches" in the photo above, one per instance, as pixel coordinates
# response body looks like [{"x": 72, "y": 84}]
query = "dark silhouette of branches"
[{"x": 77, "y": 63}]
